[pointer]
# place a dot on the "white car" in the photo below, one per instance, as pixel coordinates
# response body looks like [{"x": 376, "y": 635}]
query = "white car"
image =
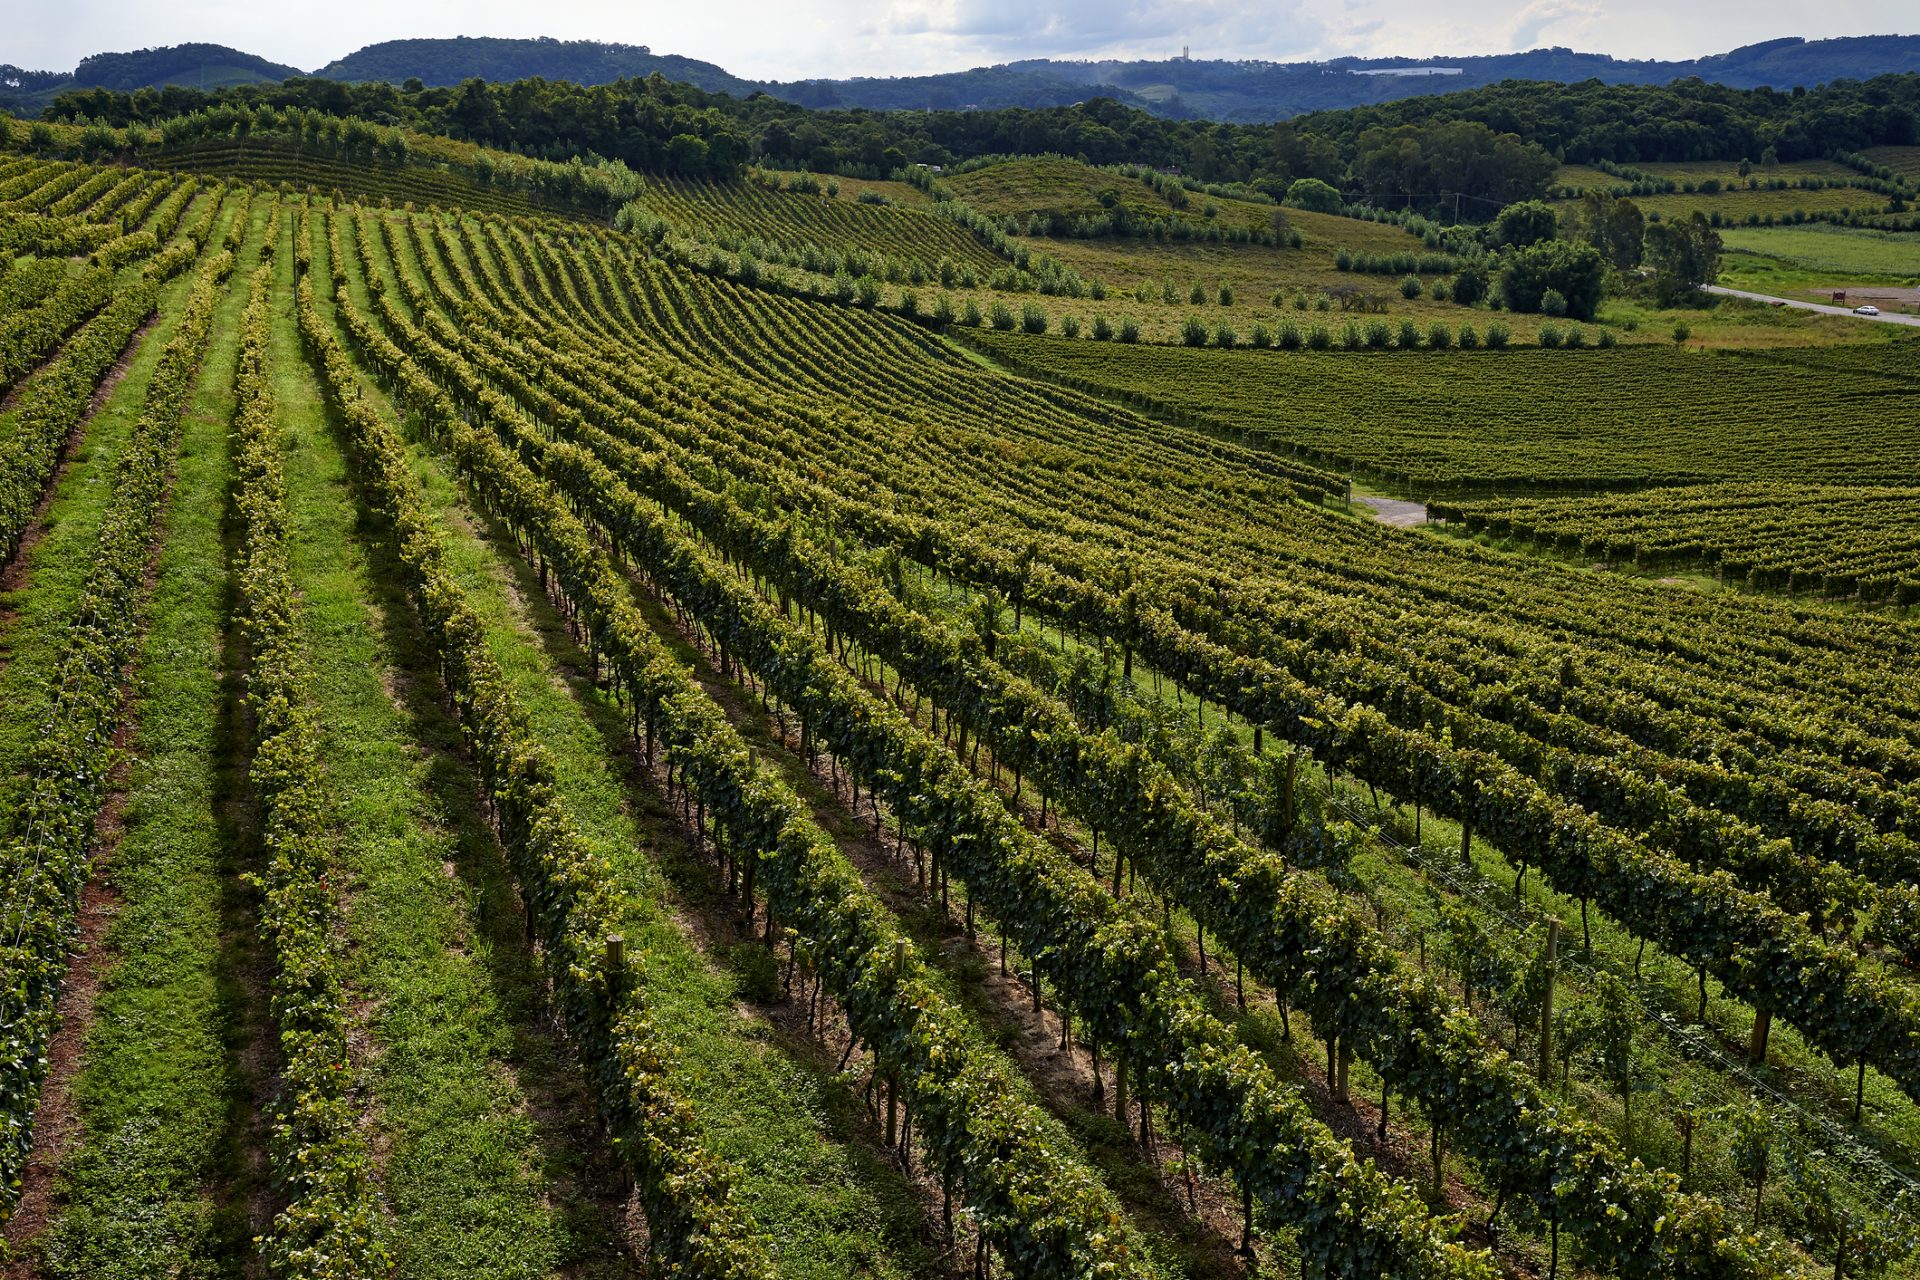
[{"x": 1866, "y": 311}]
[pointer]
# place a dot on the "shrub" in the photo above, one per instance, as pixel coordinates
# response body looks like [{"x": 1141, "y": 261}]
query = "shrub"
[
  {"x": 1318, "y": 339},
  {"x": 1343, "y": 260},
  {"x": 1198, "y": 294},
  {"x": 1549, "y": 336},
  {"x": 1129, "y": 329},
  {"x": 1224, "y": 336},
  {"x": 1226, "y": 295},
  {"x": 833, "y": 187},
  {"x": 1170, "y": 294},
  {"x": 1681, "y": 332},
  {"x": 1290, "y": 338},
  {"x": 1097, "y": 291},
  {"x": 1469, "y": 339},
  {"x": 1300, "y": 300},
  {"x": 1193, "y": 332},
  {"x": 1262, "y": 338},
  {"x": 1379, "y": 334},
  {"x": 867, "y": 291},
  {"x": 1033, "y": 318},
  {"x": 843, "y": 287},
  {"x": 1351, "y": 338},
  {"x": 943, "y": 310},
  {"x": 1572, "y": 269},
  {"x": 1410, "y": 286},
  {"x": 1576, "y": 337},
  {"x": 909, "y": 303},
  {"x": 872, "y": 197},
  {"x": 1312, "y": 193},
  {"x": 1497, "y": 335},
  {"x": 1438, "y": 337},
  {"x": 1102, "y": 328},
  {"x": 1469, "y": 284},
  {"x": 1440, "y": 291},
  {"x": 1321, "y": 302},
  {"x": 1606, "y": 339},
  {"x": 1408, "y": 337},
  {"x": 1070, "y": 326},
  {"x": 1001, "y": 316},
  {"x": 1553, "y": 303},
  {"x": 971, "y": 315}
]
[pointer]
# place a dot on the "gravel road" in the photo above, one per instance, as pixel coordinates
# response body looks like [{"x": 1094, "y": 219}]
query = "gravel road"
[{"x": 1885, "y": 317}]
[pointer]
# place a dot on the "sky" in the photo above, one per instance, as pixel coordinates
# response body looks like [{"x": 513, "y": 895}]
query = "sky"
[{"x": 794, "y": 39}]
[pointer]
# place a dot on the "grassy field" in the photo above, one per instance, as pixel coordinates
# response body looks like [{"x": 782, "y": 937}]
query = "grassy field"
[{"x": 1802, "y": 258}]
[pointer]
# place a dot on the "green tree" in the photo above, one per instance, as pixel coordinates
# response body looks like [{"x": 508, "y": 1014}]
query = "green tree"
[
  {"x": 1470, "y": 284},
  {"x": 1572, "y": 268},
  {"x": 1520, "y": 225},
  {"x": 687, "y": 155},
  {"x": 1684, "y": 255},
  {"x": 1315, "y": 195}
]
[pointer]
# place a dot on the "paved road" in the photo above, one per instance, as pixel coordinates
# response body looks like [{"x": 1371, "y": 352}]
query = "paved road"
[
  {"x": 1397, "y": 512},
  {"x": 1886, "y": 317}
]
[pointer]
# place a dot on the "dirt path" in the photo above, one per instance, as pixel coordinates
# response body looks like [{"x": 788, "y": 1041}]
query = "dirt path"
[{"x": 1396, "y": 512}]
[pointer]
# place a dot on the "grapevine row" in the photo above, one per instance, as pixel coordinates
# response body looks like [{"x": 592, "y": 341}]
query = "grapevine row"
[
  {"x": 54, "y": 400},
  {"x": 1041, "y": 1211},
  {"x": 1353, "y": 984},
  {"x": 696, "y": 1227},
  {"x": 331, "y": 1222},
  {"x": 45, "y": 858},
  {"x": 1761, "y": 953},
  {"x": 1108, "y": 961}
]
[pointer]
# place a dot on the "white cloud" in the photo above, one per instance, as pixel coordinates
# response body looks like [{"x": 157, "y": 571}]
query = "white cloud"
[{"x": 1571, "y": 17}]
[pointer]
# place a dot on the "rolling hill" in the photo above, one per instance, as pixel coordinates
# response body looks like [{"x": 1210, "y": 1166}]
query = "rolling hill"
[{"x": 1221, "y": 89}]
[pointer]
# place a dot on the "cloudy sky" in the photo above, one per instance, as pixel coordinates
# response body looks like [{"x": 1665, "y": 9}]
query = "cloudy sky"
[{"x": 789, "y": 39}]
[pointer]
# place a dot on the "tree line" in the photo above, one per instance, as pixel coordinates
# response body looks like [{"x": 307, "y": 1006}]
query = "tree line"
[{"x": 1463, "y": 155}]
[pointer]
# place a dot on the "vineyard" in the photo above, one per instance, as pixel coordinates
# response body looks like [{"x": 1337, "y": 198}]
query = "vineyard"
[
  {"x": 1822, "y": 539},
  {"x": 1618, "y": 420},
  {"x": 537, "y": 751}
]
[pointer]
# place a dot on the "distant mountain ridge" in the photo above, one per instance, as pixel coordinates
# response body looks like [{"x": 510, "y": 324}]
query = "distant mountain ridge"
[
  {"x": 449, "y": 61},
  {"x": 1245, "y": 91}
]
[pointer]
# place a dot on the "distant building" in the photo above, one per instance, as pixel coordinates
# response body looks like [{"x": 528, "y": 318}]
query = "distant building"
[{"x": 1411, "y": 71}]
